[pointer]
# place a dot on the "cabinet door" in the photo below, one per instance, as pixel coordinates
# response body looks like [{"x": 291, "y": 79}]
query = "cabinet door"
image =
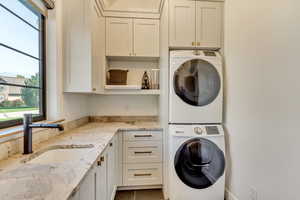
[
  {"x": 111, "y": 168},
  {"x": 119, "y": 158},
  {"x": 98, "y": 47},
  {"x": 75, "y": 196},
  {"x": 101, "y": 179},
  {"x": 88, "y": 186},
  {"x": 77, "y": 46},
  {"x": 182, "y": 23},
  {"x": 119, "y": 37},
  {"x": 146, "y": 37},
  {"x": 209, "y": 24}
]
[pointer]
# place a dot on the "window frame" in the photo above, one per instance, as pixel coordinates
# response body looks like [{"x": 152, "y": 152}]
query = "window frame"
[{"x": 42, "y": 67}]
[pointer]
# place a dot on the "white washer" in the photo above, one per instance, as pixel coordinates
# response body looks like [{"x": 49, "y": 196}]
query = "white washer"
[
  {"x": 196, "y": 87},
  {"x": 197, "y": 162}
]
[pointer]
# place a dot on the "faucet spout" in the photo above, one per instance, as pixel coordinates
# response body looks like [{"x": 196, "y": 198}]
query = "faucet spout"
[
  {"x": 28, "y": 126},
  {"x": 58, "y": 126}
]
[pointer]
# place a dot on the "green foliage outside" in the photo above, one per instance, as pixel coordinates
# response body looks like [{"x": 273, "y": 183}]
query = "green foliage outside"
[
  {"x": 31, "y": 96},
  {"x": 12, "y": 104}
]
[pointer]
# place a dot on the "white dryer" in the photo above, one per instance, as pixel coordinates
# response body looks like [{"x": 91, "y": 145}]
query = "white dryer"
[
  {"x": 196, "y": 87},
  {"x": 197, "y": 162}
]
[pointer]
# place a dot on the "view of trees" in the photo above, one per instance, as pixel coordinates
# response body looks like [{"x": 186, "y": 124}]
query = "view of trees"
[{"x": 30, "y": 96}]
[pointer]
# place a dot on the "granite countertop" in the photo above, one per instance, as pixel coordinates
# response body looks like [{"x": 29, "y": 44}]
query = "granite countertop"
[{"x": 57, "y": 180}]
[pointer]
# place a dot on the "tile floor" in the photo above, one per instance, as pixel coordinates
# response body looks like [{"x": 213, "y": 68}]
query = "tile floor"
[{"x": 139, "y": 195}]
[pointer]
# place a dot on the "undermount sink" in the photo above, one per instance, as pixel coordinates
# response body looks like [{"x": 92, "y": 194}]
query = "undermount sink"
[{"x": 58, "y": 154}]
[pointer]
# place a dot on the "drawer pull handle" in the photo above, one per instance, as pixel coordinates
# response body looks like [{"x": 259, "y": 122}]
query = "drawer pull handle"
[
  {"x": 139, "y": 136},
  {"x": 142, "y": 152},
  {"x": 142, "y": 174},
  {"x": 102, "y": 159}
]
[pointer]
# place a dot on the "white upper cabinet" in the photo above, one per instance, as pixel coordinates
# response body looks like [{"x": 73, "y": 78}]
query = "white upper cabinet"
[
  {"x": 132, "y": 37},
  {"x": 146, "y": 37},
  {"x": 84, "y": 46},
  {"x": 208, "y": 24},
  {"x": 119, "y": 37},
  {"x": 182, "y": 23},
  {"x": 195, "y": 24}
]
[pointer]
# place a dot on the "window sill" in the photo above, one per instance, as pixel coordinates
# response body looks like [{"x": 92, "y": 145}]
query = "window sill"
[{"x": 15, "y": 132}]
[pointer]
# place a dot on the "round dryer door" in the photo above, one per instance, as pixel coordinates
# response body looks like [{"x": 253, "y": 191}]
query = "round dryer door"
[
  {"x": 199, "y": 163},
  {"x": 197, "y": 82}
]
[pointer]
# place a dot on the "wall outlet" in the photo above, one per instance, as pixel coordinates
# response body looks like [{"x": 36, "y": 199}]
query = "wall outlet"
[{"x": 253, "y": 194}]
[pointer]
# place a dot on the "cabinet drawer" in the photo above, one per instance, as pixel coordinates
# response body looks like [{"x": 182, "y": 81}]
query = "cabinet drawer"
[
  {"x": 142, "y": 174},
  {"x": 142, "y": 151},
  {"x": 142, "y": 135}
]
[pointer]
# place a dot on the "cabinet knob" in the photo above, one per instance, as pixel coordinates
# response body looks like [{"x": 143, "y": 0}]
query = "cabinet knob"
[
  {"x": 102, "y": 158},
  {"x": 111, "y": 144},
  {"x": 193, "y": 43},
  {"x": 94, "y": 89},
  {"x": 198, "y": 43},
  {"x": 99, "y": 162}
]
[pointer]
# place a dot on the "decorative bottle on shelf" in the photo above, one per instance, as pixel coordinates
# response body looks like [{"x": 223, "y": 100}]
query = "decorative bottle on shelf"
[{"x": 145, "y": 81}]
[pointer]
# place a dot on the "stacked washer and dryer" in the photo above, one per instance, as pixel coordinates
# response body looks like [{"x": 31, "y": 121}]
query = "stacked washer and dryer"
[{"x": 197, "y": 146}]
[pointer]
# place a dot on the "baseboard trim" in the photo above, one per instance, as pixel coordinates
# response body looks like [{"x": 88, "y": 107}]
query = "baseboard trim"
[
  {"x": 146, "y": 187},
  {"x": 229, "y": 195}
]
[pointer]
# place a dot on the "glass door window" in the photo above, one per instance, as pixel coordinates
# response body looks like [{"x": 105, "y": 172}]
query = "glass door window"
[
  {"x": 197, "y": 82},
  {"x": 199, "y": 163}
]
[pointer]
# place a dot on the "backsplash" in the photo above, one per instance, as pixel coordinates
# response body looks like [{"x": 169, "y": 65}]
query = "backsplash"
[
  {"x": 15, "y": 145},
  {"x": 123, "y": 118}
]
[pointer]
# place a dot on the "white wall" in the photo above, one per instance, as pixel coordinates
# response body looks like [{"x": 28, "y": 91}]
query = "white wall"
[
  {"x": 263, "y": 98},
  {"x": 123, "y": 105},
  {"x": 60, "y": 105}
]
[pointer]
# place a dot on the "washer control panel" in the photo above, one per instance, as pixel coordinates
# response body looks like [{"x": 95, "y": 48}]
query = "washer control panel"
[
  {"x": 212, "y": 130},
  {"x": 196, "y": 130}
]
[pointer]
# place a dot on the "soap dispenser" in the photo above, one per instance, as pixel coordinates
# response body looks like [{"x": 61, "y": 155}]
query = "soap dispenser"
[{"x": 145, "y": 81}]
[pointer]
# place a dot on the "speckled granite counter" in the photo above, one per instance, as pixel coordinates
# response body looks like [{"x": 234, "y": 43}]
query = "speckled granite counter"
[{"x": 56, "y": 181}]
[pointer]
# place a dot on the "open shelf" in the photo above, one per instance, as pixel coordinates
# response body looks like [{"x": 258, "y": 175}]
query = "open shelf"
[
  {"x": 122, "y": 87},
  {"x": 128, "y": 90}
]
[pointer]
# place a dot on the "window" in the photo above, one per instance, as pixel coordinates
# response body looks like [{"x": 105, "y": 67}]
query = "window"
[{"x": 22, "y": 63}]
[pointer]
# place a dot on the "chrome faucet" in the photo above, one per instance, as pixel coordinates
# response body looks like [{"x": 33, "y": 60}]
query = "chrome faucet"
[{"x": 28, "y": 126}]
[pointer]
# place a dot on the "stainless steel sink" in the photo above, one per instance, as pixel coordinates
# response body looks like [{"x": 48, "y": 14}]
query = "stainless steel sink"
[{"x": 58, "y": 154}]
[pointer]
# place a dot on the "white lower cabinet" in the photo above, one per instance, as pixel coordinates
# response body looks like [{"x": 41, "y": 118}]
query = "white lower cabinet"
[
  {"x": 142, "y": 174},
  {"x": 111, "y": 169},
  {"x": 88, "y": 187},
  {"x": 142, "y": 158},
  {"x": 101, "y": 178},
  {"x": 100, "y": 182},
  {"x": 132, "y": 158},
  {"x": 142, "y": 151}
]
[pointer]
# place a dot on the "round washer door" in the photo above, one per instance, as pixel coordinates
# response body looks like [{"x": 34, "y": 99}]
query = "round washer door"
[
  {"x": 199, "y": 163},
  {"x": 197, "y": 82}
]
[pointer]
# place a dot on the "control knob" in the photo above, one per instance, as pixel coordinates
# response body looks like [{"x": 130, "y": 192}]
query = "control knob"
[{"x": 198, "y": 130}]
